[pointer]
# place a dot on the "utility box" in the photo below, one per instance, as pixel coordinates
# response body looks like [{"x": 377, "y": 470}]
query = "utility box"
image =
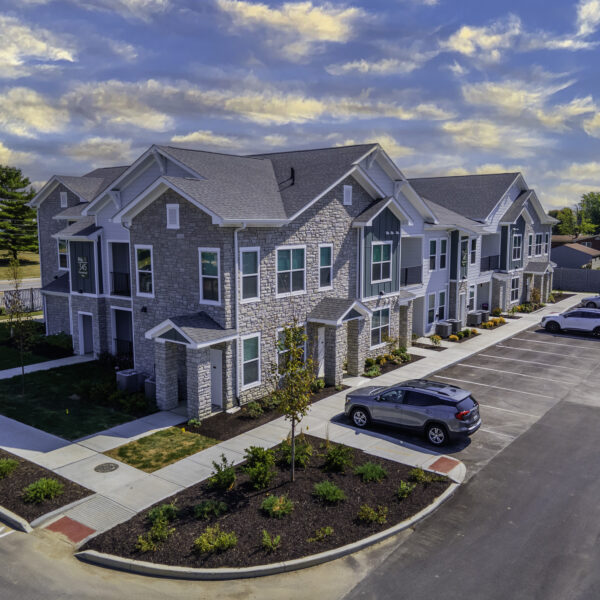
[
  {"x": 443, "y": 329},
  {"x": 485, "y": 315},
  {"x": 150, "y": 388},
  {"x": 474, "y": 318},
  {"x": 456, "y": 324},
  {"x": 128, "y": 380}
]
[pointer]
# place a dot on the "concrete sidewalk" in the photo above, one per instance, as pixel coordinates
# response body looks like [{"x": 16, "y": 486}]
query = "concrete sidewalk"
[
  {"x": 126, "y": 491},
  {"x": 47, "y": 365}
]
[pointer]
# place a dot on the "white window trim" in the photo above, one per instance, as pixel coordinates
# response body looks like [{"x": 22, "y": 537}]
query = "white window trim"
[
  {"x": 472, "y": 288},
  {"x": 257, "y": 298},
  {"x": 435, "y": 255},
  {"x": 519, "y": 247},
  {"x": 471, "y": 261},
  {"x": 298, "y": 292},
  {"x": 440, "y": 254},
  {"x": 391, "y": 245},
  {"x": 546, "y": 243},
  {"x": 530, "y": 245},
  {"x": 439, "y": 305},
  {"x": 64, "y": 200},
  {"x": 68, "y": 267},
  {"x": 279, "y": 353},
  {"x": 428, "y": 308},
  {"x": 242, "y": 362},
  {"x": 347, "y": 195},
  {"x": 513, "y": 289},
  {"x": 382, "y": 344},
  {"x": 541, "y": 244},
  {"x": 137, "y": 271},
  {"x": 173, "y": 225},
  {"x": 329, "y": 287},
  {"x": 217, "y": 251}
]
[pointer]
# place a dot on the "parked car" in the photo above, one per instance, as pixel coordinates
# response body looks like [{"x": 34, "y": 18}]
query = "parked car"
[
  {"x": 576, "y": 319},
  {"x": 591, "y": 302},
  {"x": 438, "y": 410}
]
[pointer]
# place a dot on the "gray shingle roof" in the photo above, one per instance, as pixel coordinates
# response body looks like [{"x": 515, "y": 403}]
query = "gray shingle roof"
[
  {"x": 370, "y": 212},
  {"x": 336, "y": 310},
  {"x": 59, "y": 285},
  {"x": 447, "y": 217},
  {"x": 90, "y": 185},
  {"x": 201, "y": 329},
  {"x": 82, "y": 228},
  {"x": 537, "y": 267},
  {"x": 72, "y": 212},
  {"x": 473, "y": 196},
  {"x": 514, "y": 210}
]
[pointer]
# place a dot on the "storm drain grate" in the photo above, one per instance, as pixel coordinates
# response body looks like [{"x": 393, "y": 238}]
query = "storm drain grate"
[{"x": 106, "y": 467}]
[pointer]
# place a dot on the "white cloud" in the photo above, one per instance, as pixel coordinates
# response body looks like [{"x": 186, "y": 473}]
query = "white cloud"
[
  {"x": 12, "y": 157},
  {"x": 592, "y": 125},
  {"x": 206, "y": 138},
  {"x": 25, "y": 50},
  {"x": 581, "y": 172},
  {"x": 457, "y": 69},
  {"x": 25, "y": 112},
  {"x": 387, "y": 142},
  {"x": 588, "y": 17},
  {"x": 298, "y": 28},
  {"x": 385, "y": 66},
  {"x": 100, "y": 150},
  {"x": 275, "y": 139},
  {"x": 123, "y": 49},
  {"x": 142, "y": 10}
]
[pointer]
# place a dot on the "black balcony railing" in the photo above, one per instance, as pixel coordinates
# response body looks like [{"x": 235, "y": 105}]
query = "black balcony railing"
[
  {"x": 411, "y": 275},
  {"x": 490, "y": 263},
  {"x": 123, "y": 347},
  {"x": 120, "y": 284}
]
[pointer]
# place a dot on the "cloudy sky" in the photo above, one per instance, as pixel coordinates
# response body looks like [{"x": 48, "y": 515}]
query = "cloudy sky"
[{"x": 446, "y": 86}]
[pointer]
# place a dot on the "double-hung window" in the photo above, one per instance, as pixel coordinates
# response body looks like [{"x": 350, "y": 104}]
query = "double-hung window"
[
  {"x": 209, "y": 275},
  {"x": 430, "y": 309},
  {"x": 250, "y": 264},
  {"x": 381, "y": 262},
  {"x": 471, "y": 304},
  {"x": 144, "y": 266},
  {"x": 514, "y": 289},
  {"x": 282, "y": 352},
  {"x": 380, "y": 326},
  {"x": 63, "y": 254},
  {"x": 546, "y": 242},
  {"x": 251, "y": 360},
  {"x": 291, "y": 271},
  {"x": 516, "y": 247},
  {"x": 538, "y": 244},
  {"x": 530, "y": 244},
  {"x": 443, "y": 253},
  {"x": 432, "y": 254},
  {"x": 325, "y": 266},
  {"x": 441, "y": 313},
  {"x": 473, "y": 250}
]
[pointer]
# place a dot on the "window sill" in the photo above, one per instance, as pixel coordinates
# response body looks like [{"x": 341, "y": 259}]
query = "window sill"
[
  {"x": 375, "y": 282},
  {"x": 288, "y": 294},
  {"x": 250, "y": 386},
  {"x": 141, "y": 295},
  {"x": 250, "y": 301},
  {"x": 325, "y": 289},
  {"x": 209, "y": 303}
]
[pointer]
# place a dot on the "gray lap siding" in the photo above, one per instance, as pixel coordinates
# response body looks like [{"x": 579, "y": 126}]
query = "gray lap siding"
[{"x": 57, "y": 314}]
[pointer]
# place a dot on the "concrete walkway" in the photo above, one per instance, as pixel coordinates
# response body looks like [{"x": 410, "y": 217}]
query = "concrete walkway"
[
  {"x": 122, "y": 493},
  {"x": 47, "y": 365}
]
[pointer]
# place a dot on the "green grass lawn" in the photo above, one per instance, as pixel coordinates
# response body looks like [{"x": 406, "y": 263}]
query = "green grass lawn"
[
  {"x": 11, "y": 357},
  {"x": 161, "y": 449},
  {"x": 35, "y": 313},
  {"x": 30, "y": 265},
  {"x": 49, "y": 402}
]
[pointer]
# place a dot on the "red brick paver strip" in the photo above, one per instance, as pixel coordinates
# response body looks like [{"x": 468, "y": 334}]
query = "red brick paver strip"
[
  {"x": 74, "y": 530},
  {"x": 443, "y": 465}
]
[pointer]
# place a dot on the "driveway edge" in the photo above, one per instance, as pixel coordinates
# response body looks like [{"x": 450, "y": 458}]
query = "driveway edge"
[
  {"x": 14, "y": 520},
  {"x": 148, "y": 568}
]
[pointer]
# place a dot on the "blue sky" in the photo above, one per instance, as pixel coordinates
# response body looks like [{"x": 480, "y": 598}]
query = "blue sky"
[{"x": 447, "y": 87}]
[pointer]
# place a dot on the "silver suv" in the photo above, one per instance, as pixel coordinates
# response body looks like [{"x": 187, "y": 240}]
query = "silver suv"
[{"x": 438, "y": 410}]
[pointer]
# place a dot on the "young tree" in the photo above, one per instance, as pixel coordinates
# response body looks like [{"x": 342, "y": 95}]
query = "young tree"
[
  {"x": 568, "y": 222},
  {"x": 297, "y": 375},
  {"x": 589, "y": 208},
  {"x": 18, "y": 227}
]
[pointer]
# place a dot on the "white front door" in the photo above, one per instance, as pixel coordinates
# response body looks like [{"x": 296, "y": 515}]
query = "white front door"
[
  {"x": 462, "y": 303},
  {"x": 216, "y": 377},
  {"x": 321, "y": 351}
]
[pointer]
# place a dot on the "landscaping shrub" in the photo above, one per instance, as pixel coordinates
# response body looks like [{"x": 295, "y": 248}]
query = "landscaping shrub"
[
  {"x": 270, "y": 543},
  {"x": 223, "y": 477},
  {"x": 101, "y": 391},
  {"x": 551, "y": 298},
  {"x": 303, "y": 453},
  {"x": 367, "y": 514},
  {"x": 277, "y": 506},
  {"x": 259, "y": 466},
  {"x": 374, "y": 371},
  {"x": 214, "y": 540},
  {"x": 369, "y": 362},
  {"x": 210, "y": 508},
  {"x": 159, "y": 532},
  {"x": 321, "y": 534},
  {"x": 535, "y": 295},
  {"x": 496, "y": 312},
  {"x": 380, "y": 360},
  {"x": 502, "y": 320},
  {"x": 194, "y": 422},
  {"x": 453, "y": 338},
  {"x": 167, "y": 512},
  {"x": 371, "y": 472},
  {"x": 467, "y": 332},
  {"x": 45, "y": 488},
  {"x": 7, "y": 466},
  {"x": 317, "y": 385},
  {"x": 337, "y": 458},
  {"x": 460, "y": 335},
  {"x": 254, "y": 410},
  {"x": 405, "y": 489},
  {"x": 436, "y": 340},
  {"x": 327, "y": 491},
  {"x": 420, "y": 476},
  {"x": 402, "y": 354}
]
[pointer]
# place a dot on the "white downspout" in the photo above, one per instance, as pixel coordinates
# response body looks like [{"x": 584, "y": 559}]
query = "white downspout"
[{"x": 237, "y": 306}]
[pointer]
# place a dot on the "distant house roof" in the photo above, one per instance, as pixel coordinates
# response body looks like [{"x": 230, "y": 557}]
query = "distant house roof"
[
  {"x": 58, "y": 286},
  {"x": 198, "y": 330},
  {"x": 473, "y": 196},
  {"x": 570, "y": 239},
  {"x": 585, "y": 249},
  {"x": 72, "y": 212}
]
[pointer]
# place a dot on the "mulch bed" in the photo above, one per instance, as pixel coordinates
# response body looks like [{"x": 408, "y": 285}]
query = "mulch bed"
[
  {"x": 27, "y": 472},
  {"x": 224, "y": 426},
  {"x": 247, "y": 520},
  {"x": 509, "y": 316},
  {"x": 559, "y": 297},
  {"x": 465, "y": 339},
  {"x": 390, "y": 366},
  {"x": 428, "y": 346}
]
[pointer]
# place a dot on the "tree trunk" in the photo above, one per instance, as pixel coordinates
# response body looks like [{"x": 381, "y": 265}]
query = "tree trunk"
[
  {"x": 15, "y": 254},
  {"x": 293, "y": 449},
  {"x": 22, "y": 369}
]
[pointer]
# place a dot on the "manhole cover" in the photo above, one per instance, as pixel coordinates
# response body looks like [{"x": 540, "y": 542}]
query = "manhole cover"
[{"x": 106, "y": 467}]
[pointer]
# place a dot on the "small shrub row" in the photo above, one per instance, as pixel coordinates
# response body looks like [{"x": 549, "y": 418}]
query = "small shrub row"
[
  {"x": 277, "y": 506},
  {"x": 43, "y": 489},
  {"x": 368, "y": 514},
  {"x": 492, "y": 323},
  {"x": 210, "y": 508},
  {"x": 421, "y": 476},
  {"x": 328, "y": 492},
  {"x": 7, "y": 466},
  {"x": 214, "y": 540},
  {"x": 302, "y": 453},
  {"x": 260, "y": 466},
  {"x": 465, "y": 333},
  {"x": 396, "y": 355},
  {"x": 369, "y": 472},
  {"x": 160, "y": 517}
]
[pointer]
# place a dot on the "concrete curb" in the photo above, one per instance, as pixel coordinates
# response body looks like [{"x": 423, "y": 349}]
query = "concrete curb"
[
  {"x": 15, "y": 521},
  {"x": 47, "y": 518},
  {"x": 147, "y": 568}
]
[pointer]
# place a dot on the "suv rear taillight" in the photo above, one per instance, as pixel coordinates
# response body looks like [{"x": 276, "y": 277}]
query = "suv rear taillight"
[{"x": 462, "y": 414}]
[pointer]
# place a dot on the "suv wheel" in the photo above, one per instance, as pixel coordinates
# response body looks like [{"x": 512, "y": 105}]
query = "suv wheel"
[
  {"x": 596, "y": 331},
  {"x": 360, "y": 417},
  {"x": 436, "y": 434},
  {"x": 590, "y": 305},
  {"x": 552, "y": 327}
]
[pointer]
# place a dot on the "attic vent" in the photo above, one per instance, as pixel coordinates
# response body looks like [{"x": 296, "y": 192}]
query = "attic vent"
[
  {"x": 347, "y": 195},
  {"x": 172, "y": 216},
  {"x": 63, "y": 199}
]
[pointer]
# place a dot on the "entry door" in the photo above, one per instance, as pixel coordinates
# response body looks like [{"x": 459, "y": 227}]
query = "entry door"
[
  {"x": 86, "y": 334},
  {"x": 216, "y": 377},
  {"x": 321, "y": 350}
]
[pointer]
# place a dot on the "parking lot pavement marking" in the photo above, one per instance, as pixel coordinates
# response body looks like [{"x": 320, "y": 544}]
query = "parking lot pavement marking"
[
  {"x": 508, "y": 410},
  {"x": 511, "y": 372},
  {"x": 545, "y": 352},
  {"x": 5, "y": 533},
  {"x": 504, "y": 435},
  {"x": 492, "y": 386},
  {"x": 552, "y": 343},
  {"x": 534, "y": 362}
]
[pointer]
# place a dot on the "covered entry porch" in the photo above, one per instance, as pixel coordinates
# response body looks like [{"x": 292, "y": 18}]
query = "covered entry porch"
[{"x": 192, "y": 354}]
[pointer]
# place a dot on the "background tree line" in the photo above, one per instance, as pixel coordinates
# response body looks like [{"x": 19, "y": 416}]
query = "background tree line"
[{"x": 584, "y": 219}]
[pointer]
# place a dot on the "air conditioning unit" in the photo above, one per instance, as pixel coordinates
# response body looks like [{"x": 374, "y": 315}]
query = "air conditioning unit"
[
  {"x": 128, "y": 380},
  {"x": 474, "y": 318},
  {"x": 456, "y": 324},
  {"x": 443, "y": 329}
]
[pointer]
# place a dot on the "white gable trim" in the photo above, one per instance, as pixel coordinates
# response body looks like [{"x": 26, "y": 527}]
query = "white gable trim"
[
  {"x": 412, "y": 196},
  {"x": 152, "y": 334},
  {"x": 394, "y": 206},
  {"x": 356, "y": 305},
  {"x": 519, "y": 176}
]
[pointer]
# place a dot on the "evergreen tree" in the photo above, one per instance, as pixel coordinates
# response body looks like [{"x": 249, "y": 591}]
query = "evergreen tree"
[{"x": 18, "y": 227}]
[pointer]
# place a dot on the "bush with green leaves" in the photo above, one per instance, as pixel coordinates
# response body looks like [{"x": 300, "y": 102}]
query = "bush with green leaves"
[
  {"x": 320, "y": 534},
  {"x": 158, "y": 533},
  {"x": 374, "y": 371},
  {"x": 168, "y": 512},
  {"x": 210, "y": 508},
  {"x": 214, "y": 540},
  {"x": 420, "y": 476},
  {"x": 270, "y": 543},
  {"x": 328, "y": 492},
  {"x": 45, "y": 488},
  {"x": 369, "y": 363},
  {"x": 254, "y": 410},
  {"x": 259, "y": 467},
  {"x": 405, "y": 489},
  {"x": 370, "y": 471},
  {"x": 277, "y": 506},
  {"x": 223, "y": 477},
  {"x": 193, "y": 422},
  {"x": 7, "y": 466},
  {"x": 337, "y": 458},
  {"x": 367, "y": 514},
  {"x": 302, "y": 456},
  {"x": 318, "y": 385}
]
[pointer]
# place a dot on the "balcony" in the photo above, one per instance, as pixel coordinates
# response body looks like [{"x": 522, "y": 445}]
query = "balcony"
[
  {"x": 411, "y": 275},
  {"x": 123, "y": 347},
  {"x": 490, "y": 263},
  {"x": 120, "y": 284}
]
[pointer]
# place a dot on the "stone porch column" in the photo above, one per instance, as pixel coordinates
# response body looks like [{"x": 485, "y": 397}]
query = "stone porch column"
[
  {"x": 198, "y": 383},
  {"x": 230, "y": 374},
  {"x": 165, "y": 360},
  {"x": 358, "y": 345},
  {"x": 405, "y": 330},
  {"x": 334, "y": 354}
]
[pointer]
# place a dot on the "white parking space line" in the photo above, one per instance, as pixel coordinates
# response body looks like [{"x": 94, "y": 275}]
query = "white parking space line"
[
  {"x": 504, "y": 435},
  {"x": 494, "y": 386},
  {"x": 508, "y": 410},
  {"x": 545, "y": 352},
  {"x": 5, "y": 532},
  {"x": 552, "y": 343},
  {"x": 533, "y": 362},
  {"x": 510, "y": 372}
]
